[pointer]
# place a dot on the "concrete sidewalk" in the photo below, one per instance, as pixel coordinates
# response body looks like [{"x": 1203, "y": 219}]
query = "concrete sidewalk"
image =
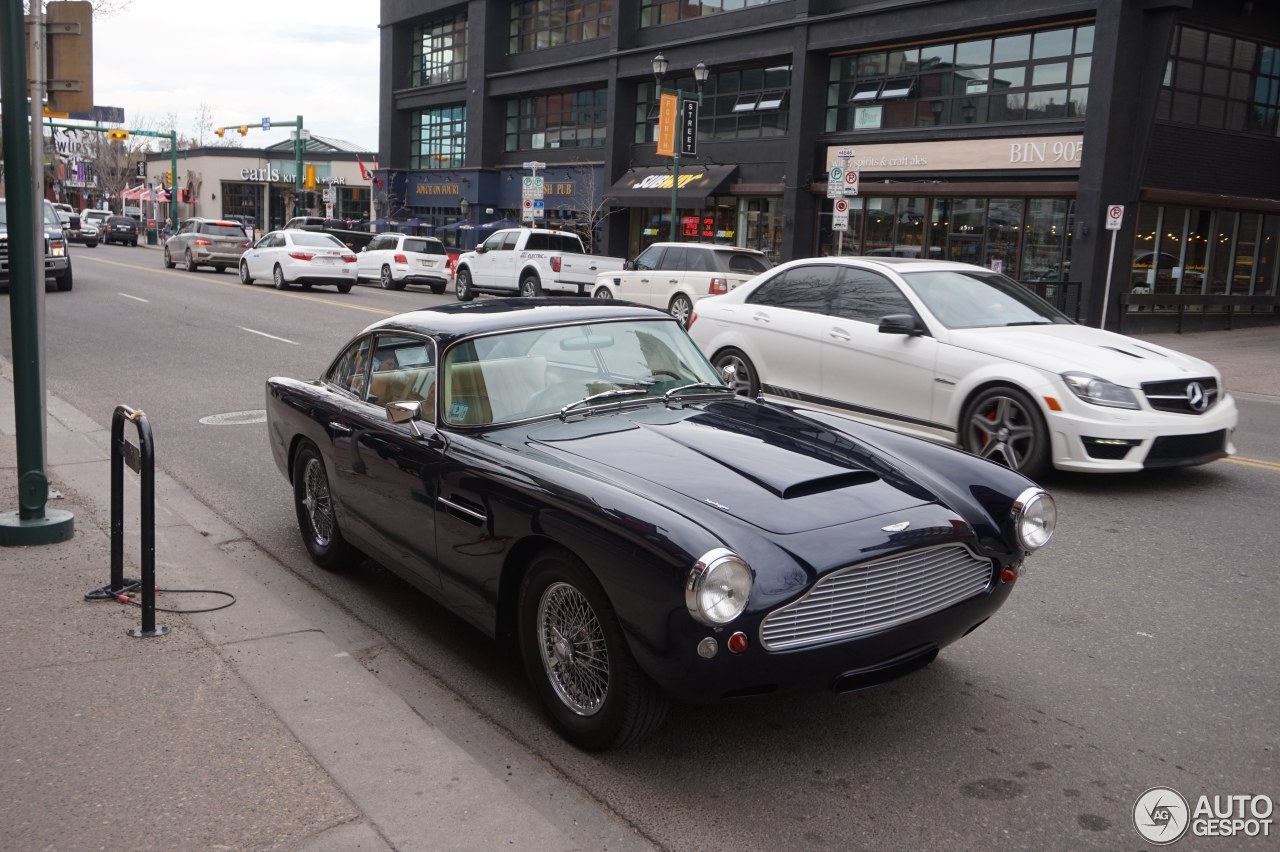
[{"x": 251, "y": 727}]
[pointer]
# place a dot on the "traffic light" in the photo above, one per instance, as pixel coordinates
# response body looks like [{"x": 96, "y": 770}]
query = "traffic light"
[
  {"x": 117, "y": 134},
  {"x": 168, "y": 178},
  {"x": 222, "y": 132},
  {"x": 244, "y": 130},
  {"x": 309, "y": 179},
  {"x": 140, "y": 169},
  {"x": 186, "y": 196}
]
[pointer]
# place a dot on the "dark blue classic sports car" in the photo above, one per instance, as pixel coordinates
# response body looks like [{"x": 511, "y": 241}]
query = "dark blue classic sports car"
[{"x": 576, "y": 475}]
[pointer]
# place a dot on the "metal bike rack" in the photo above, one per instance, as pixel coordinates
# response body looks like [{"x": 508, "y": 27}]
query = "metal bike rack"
[{"x": 141, "y": 459}]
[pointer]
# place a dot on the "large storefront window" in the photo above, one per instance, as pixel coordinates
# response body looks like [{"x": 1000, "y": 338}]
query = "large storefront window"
[
  {"x": 1029, "y": 76},
  {"x": 438, "y": 138},
  {"x": 1215, "y": 80},
  {"x": 439, "y": 52},
  {"x": 1199, "y": 251},
  {"x": 243, "y": 199},
  {"x": 538, "y": 24},
  {"x": 744, "y": 103},
  {"x": 560, "y": 120},
  {"x": 1028, "y": 239}
]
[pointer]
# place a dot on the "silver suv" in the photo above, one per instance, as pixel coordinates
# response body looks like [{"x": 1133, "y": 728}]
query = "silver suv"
[{"x": 206, "y": 242}]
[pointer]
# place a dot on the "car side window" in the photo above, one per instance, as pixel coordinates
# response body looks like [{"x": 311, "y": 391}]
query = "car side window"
[
  {"x": 509, "y": 244},
  {"x": 674, "y": 258},
  {"x": 650, "y": 258},
  {"x": 866, "y": 296},
  {"x": 349, "y": 372},
  {"x": 800, "y": 288},
  {"x": 404, "y": 370},
  {"x": 495, "y": 242},
  {"x": 746, "y": 264}
]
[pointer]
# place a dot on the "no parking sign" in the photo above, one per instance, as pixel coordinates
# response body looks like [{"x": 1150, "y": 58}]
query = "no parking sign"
[
  {"x": 840, "y": 215},
  {"x": 1115, "y": 215}
]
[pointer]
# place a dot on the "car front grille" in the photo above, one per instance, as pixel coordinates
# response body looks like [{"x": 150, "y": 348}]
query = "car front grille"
[
  {"x": 877, "y": 595},
  {"x": 1180, "y": 397},
  {"x": 1171, "y": 450}
]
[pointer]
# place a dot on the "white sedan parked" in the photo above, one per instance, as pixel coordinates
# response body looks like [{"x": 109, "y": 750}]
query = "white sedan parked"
[
  {"x": 967, "y": 356},
  {"x": 394, "y": 260},
  {"x": 299, "y": 257}
]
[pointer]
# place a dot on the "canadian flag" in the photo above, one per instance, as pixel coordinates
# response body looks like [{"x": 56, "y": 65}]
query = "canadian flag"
[{"x": 365, "y": 173}]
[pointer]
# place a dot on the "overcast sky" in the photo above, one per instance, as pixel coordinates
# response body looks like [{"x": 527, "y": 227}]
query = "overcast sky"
[{"x": 244, "y": 59}]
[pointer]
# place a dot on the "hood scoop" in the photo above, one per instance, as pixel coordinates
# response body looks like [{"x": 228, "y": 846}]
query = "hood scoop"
[{"x": 768, "y": 478}]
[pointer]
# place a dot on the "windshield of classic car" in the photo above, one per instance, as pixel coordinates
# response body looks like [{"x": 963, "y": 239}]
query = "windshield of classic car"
[
  {"x": 973, "y": 300},
  {"x": 537, "y": 372}
]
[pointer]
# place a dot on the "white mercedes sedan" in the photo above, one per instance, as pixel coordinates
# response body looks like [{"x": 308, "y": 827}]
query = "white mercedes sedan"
[{"x": 969, "y": 357}]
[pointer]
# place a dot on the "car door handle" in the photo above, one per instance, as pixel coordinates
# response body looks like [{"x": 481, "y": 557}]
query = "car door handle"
[
  {"x": 840, "y": 334},
  {"x": 467, "y": 513},
  {"x": 760, "y": 317},
  {"x": 339, "y": 428}
]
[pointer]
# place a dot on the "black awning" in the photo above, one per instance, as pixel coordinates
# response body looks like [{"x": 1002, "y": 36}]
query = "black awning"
[{"x": 651, "y": 186}]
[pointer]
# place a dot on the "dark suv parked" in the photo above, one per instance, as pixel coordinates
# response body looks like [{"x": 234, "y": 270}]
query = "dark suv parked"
[{"x": 120, "y": 229}]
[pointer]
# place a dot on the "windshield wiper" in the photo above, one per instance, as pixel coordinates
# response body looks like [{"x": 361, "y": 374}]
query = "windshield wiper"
[
  {"x": 1030, "y": 322},
  {"x": 706, "y": 386},
  {"x": 599, "y": 396}
]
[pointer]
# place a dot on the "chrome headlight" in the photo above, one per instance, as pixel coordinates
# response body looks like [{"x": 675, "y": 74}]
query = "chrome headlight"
[
  {"x": 1100, "y": 391},
  {"x": 718, "y": 587},
  {"x": 1034, "y": 517},
  {"x": 57, "y": 248}
]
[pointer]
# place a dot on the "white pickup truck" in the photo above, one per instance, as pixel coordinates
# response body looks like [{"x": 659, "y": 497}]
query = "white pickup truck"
[{"x": 530, "y": 262}]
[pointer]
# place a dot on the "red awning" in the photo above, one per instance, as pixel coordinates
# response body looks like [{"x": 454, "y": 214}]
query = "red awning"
[{"x": 143, "y": 193}]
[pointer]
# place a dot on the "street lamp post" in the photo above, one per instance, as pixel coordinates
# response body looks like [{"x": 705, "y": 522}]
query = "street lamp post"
[{"x": 678, "y": 147}]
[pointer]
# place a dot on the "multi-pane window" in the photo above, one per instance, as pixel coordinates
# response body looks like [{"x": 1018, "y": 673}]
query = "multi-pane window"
[
  {"x": 656, "y": 12},
  {"x": 741, "y": 104},
  {"x": 559, "y": 120},
  {"x": 1219, "y": 81},
  {"x": 439, "y": 52},
  {"x": 438, "y": 138},
  {"x": 537, "y": 24},
  {"x": 1028, "y": 76}
]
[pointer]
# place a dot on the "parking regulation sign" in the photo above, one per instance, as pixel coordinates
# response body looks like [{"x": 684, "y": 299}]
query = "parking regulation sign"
[
  {"x": 1115, "y": 215},
  {"x": 835, "y": 182},
  {"x": 851, "y": 182},
  {"x": 840, "y": 215}
]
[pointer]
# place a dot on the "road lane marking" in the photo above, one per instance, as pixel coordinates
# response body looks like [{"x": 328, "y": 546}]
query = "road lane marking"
[
  {"x": 1258, "y": 463},
  {"x": 266, "y": 291},
  {"x": 135, "y": 298},
  {"x": 264, "y": 334}
]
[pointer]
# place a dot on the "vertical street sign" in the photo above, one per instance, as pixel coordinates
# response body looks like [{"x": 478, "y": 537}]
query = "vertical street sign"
[
  {"x": 840, "y": 215},
  {"x": 667, "y": 125},
  {"x": 1115, "y": 216},
  {"x": 266, "y": 122},
  {"x": 851, "y": 182},
  {"x": 689, "y": 128},
  {"x": 835, "y": 182}
]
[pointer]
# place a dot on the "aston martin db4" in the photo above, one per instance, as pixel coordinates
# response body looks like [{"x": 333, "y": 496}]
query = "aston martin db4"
[{"x": 576, "y": 476}]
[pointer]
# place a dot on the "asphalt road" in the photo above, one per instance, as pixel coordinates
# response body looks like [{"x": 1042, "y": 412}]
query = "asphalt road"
[{"x": 1140, "y": 650}]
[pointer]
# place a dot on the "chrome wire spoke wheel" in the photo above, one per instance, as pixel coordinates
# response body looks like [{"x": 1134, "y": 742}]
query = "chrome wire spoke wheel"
[
  {"x": 317, "y": 503},
  {"x": 575, "y": 655}
]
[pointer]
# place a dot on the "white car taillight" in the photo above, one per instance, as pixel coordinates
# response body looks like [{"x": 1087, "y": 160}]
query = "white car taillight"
[
  {"x": 399, "y": 258},
  {"x": 718, "y": 286},
  {"x": 301, "y": 255}
]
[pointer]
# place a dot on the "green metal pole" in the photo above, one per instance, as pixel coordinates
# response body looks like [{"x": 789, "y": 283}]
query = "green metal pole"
[
  {"x": 173, "y": 190},
  {"x": 32, "y": 523},
  {"x": 298, "y": 145}
]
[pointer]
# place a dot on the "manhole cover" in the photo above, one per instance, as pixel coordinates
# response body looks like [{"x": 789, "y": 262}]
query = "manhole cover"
[{"x": 235, "y": 418}]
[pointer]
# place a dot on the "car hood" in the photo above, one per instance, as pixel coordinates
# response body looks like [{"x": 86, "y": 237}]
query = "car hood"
[
  {"x": 769, "y": 469},
  {"x": 1062, "y": 348}
]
